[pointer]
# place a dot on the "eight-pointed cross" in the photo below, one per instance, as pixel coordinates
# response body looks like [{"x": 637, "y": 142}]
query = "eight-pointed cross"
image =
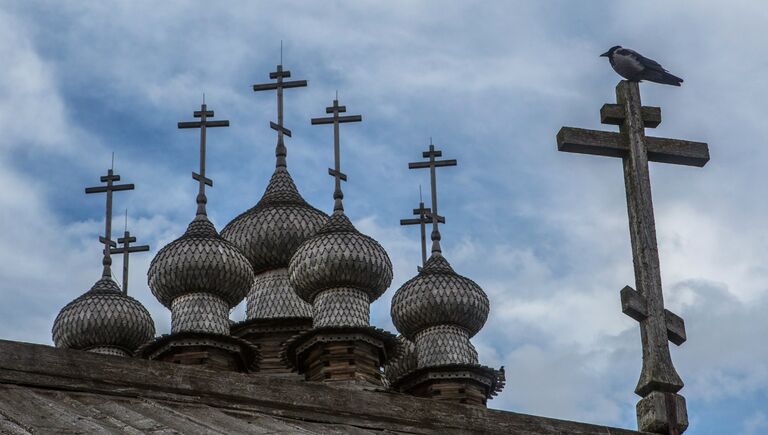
[{"x": 660, "y": 410}]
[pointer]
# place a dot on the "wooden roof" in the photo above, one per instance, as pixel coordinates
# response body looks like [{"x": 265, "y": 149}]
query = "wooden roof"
[{"x": 49, "y": 390}]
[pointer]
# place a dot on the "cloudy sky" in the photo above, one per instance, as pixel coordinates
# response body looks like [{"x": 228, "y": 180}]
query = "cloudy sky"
[{"x": 544, "y": 233}]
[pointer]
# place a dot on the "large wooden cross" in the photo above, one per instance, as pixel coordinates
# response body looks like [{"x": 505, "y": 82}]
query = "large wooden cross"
[
  {"x": 661, "y": 410},
  {"x": 126, "y": 250},
  {"x": 280, "y": 151},
  {"x": 338, "y": 195},
  {"x": 110, "y": 179},
  {"x": 204, "y": 123},
  {"x": 432, "y": 164}
]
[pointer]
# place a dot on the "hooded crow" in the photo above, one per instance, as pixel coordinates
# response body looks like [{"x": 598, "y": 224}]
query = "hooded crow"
[{"x": 635, "y": 67}]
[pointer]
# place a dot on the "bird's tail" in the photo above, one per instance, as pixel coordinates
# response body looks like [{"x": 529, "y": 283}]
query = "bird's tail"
[{"x": 662, "y": 77}]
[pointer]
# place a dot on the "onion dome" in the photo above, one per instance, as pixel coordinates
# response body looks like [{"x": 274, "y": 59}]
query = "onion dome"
[
  {"x": 439, "y": 296},
  {"x": 200, "y": 261},
  {"x": 339, "y": 256},
  {"x": 104, "y": 317},
  {"x": 270, "y": 232}
]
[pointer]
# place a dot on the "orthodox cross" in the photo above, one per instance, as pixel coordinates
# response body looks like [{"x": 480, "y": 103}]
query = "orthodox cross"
[
  {"x": 204, "y": 123},
  {"x": 424, "y": 217},
  {"x": 338, "y": 196},
  {"x": 432, "y": 164},
  {"x": 279, "y": 75},
  {"x": 110, "y": 179},
  {"x": 661, "y": 410},
  {"x": 126, "y": 250}
]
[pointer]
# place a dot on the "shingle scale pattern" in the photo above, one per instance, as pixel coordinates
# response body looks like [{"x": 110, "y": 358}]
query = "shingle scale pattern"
[
  {"x": 405, "y": 362},
  {"x": 444, "y": 344},
  {"x": 439, "y": 296},
  {"x": 272, "y": 296},
  {"x": 340, "y": 256},
  {"x": 200, "y": 261},
  {"x": 269, "y": 233},
  {"x": 341, "y": 307},
  {"x": 200, "y": 312},
  {"x": 103, "y": 317}
]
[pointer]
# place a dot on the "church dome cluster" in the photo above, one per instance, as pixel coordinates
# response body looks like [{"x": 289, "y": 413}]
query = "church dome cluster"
[
  {"x": 309, "y": 279},
  {"x": 103, "y": 319},
  {"x": 200, "y": 261}
]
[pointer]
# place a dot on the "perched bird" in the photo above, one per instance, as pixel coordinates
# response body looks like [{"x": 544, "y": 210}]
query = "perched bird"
[{"x": 635, "y": 67}]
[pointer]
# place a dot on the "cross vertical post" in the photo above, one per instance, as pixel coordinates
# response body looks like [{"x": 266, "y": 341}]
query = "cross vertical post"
[
  {"x": 126, "y": 250},
  {"x": 338, "y": 195},
  {"x": 280, "y": 151},
  {"x": 661, "y": 409},
  {"x": 432, "y": 164},
  {"x": 424, "y": 217},
  {"x": 110, "y": 179},
  {"x": 204, "y": 123}
]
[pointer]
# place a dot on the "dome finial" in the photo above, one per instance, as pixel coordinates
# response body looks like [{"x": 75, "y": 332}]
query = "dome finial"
[
  {"x": 110, "y": 178},
  {"x": 204, "y": 123},
  {"x": 432, "y": 164},
  {"x": 281, "y": 151},
  {"x": 338, "y": 195}
]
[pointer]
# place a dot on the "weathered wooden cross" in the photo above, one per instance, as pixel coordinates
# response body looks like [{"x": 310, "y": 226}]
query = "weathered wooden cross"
[
  {"x": 280, "y": 151},
  {"x": 338, "y": 195},
  {"x": 424, "y": 217},
  {"x": 661, "y": 410},
  {"x": 433, "y": 163},
  {"x": 204, "y": 123},
  {"x": 126, "y": 250},
  {"x": 110, "y": 179}
]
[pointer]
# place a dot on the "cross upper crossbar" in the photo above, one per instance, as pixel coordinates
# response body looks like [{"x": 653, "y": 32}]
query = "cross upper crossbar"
[{"x": 126, "y": 250}]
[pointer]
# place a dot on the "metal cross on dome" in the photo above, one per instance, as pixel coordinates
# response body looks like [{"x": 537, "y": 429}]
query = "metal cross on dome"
[
  {"x": 424, "y": 217},
  {"x": 126, "y": 250},
  {"x": 280, "y": 151},
  {"x": 661, "y": 409},
  {"x": 110, "y": 179},
  {"x": 204, "y": 123},
  {"x": 432, "y": 164},
  {"x": 338, "y": 195}
]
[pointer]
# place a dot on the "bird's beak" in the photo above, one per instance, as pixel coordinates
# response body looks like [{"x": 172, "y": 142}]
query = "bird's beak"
[{"x": 606, "y": 54}]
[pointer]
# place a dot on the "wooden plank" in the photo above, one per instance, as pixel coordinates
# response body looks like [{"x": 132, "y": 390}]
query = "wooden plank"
[
  {"x": 610, "y": 144},
  {"x": 110, "y": 377}
]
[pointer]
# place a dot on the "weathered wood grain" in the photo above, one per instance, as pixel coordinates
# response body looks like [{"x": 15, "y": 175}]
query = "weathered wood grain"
[
  {"x": 610, "y": 144},
  {"x": 131, "y": 382}
]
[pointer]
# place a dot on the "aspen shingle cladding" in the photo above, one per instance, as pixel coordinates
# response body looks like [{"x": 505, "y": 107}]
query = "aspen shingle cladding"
[{"x": 49, "y": 390}]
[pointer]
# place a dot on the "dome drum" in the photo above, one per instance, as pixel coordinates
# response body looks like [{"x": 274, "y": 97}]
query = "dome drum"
[
  {"x": 200, "y": 312},
  {"x": 272, "y": 296},
  {"x": 341, "y": 307},
  {"x": 443, "y": 345}
]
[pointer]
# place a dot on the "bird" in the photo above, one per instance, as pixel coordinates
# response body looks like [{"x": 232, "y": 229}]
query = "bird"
[{"x": 635, "y": 67}]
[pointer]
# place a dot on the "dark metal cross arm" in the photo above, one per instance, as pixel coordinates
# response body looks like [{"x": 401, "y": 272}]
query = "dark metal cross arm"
[
  {"x": 140, "y": 248},
  {"x": 280, "y": 128},
  {"x": 104, "y": 240},
  {"x": 284, "y": 85},
  {"x": 198, "y": 177},
  {"x": 332, "y": 173},
  {"x": 606, "y": 143},
  {"x": 437, "y": 163},
  {"x": 198, "y": 124},
  {"x": 113, "y": 188},
  {"x": 199, "y": 113},
  {"x": 331, "y": 120}
]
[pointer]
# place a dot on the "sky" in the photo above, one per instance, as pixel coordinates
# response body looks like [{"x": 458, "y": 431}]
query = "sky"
[{"x": 544, "y": 233}]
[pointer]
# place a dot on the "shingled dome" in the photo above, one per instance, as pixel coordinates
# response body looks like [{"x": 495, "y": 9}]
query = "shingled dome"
[
  {"x": 340, "y": 256},
  {"x": 200, "y": 261},
  {"x": 270, "y": 232},
  {"x": 103, "y": 317},
  {"x": 439, "y": 296}
]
